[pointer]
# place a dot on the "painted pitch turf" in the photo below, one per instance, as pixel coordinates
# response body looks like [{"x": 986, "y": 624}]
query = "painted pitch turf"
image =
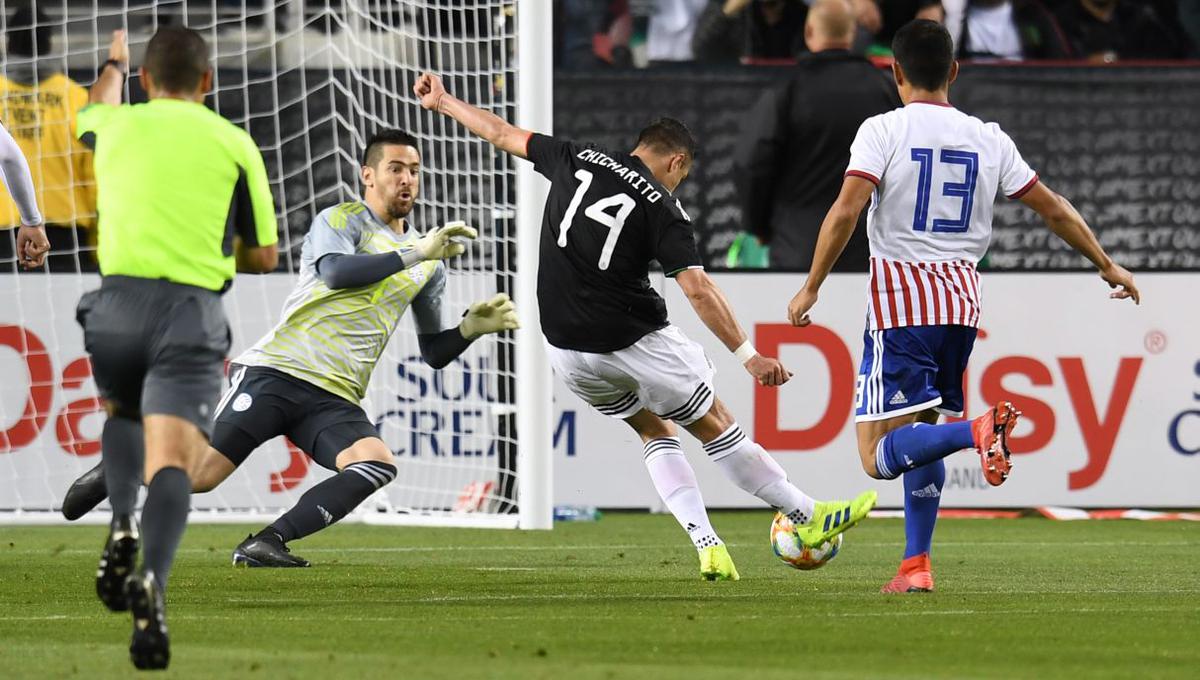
[{"x": 621, "y": 598}]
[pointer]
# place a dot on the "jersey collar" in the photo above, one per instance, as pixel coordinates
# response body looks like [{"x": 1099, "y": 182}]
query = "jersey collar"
[
  {"x": 408, "y": 227},
  {"x": 644, "y": 170}
]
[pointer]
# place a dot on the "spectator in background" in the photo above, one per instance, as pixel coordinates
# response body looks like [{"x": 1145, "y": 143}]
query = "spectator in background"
[
  {"x": 672, "y": 25},
  {"x": 1010, "y": 29},
  {"x": 1189, "y": 21},
  {"x": 594, "y": 33},
  {"x": 1109, "y": 30},
  {"x": 796, "y": 142},
  {"x": 882, "y": 18},
  {"x": 38, "y": 103},
  {"x": 748, "y": 30}
]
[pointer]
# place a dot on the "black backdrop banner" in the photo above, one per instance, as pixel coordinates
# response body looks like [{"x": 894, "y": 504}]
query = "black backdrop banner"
[{"x": 1122, "y": 143}]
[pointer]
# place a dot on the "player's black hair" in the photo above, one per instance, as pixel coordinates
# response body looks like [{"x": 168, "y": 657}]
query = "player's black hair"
[
  {"x": 28, "y": 32},
  {"x": 668, "y": 135},
  {"x": 176, "y": 58},
  {"x": 925, "y": 53},
  {"x": 383, "y": 138}
]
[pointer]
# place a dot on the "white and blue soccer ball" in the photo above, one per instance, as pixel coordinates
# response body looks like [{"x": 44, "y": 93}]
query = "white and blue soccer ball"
[{"x": 794, "y": 553}]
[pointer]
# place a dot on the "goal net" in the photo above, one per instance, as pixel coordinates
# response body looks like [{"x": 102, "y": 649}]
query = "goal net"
[{"x": 310, "y": 81}]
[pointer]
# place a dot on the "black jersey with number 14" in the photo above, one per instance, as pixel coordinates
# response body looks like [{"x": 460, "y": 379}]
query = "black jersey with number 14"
[{"x": 606, "y": 220}]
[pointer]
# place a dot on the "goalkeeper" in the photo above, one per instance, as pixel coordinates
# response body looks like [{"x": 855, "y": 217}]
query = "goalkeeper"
[{"x": 362, "y": 266}]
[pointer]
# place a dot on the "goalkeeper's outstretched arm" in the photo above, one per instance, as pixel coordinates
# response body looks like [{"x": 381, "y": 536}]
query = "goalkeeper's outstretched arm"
[
  {"x": 491, "y": 316},
  {"x": 499, "y": 132}
]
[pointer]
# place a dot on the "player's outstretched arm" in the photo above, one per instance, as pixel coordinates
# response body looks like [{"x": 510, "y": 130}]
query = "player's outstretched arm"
[
  {"x": 836, "y": 231},
  {"x": 108, "y": 85},
  {"x": 492, "y": 316},
  {"x": 499, "y": 132},
  {"x": 713, "y": 308},
  {"x": 1066, "y": 222},
  {"x": 341, "y": 270},
  {"x": 14, "y": 175}
]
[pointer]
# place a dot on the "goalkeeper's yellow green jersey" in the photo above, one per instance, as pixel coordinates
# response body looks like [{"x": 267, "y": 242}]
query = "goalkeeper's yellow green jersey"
[
  {"x": 175, "y": 182},
  {"x": 333, "y": 338}
]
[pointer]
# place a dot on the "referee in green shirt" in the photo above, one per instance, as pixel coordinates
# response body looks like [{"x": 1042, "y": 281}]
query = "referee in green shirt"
[{"x": 183, "y": 198}]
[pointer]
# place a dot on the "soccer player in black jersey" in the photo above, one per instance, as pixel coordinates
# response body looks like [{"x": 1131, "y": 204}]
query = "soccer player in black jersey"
[{"x": 610, "y": 214}]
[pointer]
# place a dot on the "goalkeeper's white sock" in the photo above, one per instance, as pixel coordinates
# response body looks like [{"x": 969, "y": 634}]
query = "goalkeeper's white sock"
[
  {"x": 754, "y": 470},
  {"x": 675, "y": 482}
]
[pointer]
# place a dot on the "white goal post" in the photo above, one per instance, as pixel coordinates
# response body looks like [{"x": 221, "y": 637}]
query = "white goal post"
[{"x": 311, "y": 81}]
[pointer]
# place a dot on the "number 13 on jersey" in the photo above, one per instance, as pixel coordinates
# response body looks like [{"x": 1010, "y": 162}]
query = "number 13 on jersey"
[
  {"x": 596, "y": 211},
  {"x": 964, "y": 190}
]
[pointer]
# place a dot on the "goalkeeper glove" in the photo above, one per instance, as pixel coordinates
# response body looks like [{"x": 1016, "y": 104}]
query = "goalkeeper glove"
[
  {"x": 439, "y": 244},
  {"x": 493, "y": 316}
]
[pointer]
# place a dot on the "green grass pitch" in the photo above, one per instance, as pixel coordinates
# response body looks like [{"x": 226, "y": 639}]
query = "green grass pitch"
[{"x": 621, "y": 598}]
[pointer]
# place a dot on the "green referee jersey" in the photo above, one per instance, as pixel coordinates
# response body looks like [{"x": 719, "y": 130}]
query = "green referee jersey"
[{"x": 175, "y": 183}]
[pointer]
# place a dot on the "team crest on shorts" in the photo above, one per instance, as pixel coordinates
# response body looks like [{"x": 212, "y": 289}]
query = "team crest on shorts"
[{"x": 242, "y": 402}]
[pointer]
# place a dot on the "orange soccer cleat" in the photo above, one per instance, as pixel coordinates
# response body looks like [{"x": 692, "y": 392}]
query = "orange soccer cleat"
[
  {"x": 914, "y": 576},
  {"x": 991, "y": 431}
]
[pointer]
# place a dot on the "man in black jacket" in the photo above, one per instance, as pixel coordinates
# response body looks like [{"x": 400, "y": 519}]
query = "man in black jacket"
[{"x": 796, "y": 141}]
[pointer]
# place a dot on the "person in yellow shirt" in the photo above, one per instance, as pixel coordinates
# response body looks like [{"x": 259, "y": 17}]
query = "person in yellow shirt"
[{"x": 38, "y": 103}]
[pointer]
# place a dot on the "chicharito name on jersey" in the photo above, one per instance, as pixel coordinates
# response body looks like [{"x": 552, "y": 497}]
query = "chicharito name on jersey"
[{"x": 628, "y": 174}]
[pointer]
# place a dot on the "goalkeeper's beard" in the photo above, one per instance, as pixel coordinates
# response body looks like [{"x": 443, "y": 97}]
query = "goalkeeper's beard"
[{"x": 399, "y": 208}]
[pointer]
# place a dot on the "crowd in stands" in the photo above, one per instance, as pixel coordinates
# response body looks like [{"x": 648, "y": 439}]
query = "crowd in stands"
[
  {"x": 38, "y": 103},
  {"x": 639, "y": 33}
]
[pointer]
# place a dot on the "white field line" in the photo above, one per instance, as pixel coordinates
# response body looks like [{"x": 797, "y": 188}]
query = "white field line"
[
  {"x": 672, "y": 547},
  {"x": 507, "y": 568},
  {"x": 515, "y": 597},
  {"x": 592, "y": 616}
]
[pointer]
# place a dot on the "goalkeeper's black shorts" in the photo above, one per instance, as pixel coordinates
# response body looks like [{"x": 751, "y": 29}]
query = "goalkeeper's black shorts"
[{"x": 263, "y": 403}]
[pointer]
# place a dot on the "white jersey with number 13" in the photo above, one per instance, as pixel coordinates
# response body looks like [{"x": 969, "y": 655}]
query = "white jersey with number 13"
[{"x": 937, "y": 172}]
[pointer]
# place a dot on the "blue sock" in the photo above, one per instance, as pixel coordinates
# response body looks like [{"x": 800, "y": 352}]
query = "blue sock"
[
  {"x": 911, "y": 447},
  {"x": 922, "y": 495}
]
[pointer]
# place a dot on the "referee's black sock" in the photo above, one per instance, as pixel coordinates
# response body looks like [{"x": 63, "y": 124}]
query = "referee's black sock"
[
  {"x": 123, "y": 445},
  {"x": 332, "y": 499},
  {"x": 164, "y": 517}
]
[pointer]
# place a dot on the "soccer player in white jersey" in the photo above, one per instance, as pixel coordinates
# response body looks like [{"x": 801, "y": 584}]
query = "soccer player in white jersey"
[
  {"x": 931, "y": 173},
  {"x": 362, "y": 266},
  {"x": 608, "y": 215}
]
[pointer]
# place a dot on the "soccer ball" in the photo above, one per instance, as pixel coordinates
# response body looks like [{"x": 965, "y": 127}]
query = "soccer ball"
[{"x": 794, "y": 553}]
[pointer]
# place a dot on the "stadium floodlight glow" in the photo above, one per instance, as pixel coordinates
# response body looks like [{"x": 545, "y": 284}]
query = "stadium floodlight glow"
[{"x": 311, "y": 83}]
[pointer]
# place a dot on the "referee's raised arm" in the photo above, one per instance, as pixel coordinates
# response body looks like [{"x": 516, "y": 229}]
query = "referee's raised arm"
[{"x": 184, "y": 202}]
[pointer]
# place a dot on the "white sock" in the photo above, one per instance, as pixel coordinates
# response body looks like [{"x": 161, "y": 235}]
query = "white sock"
[
  {"x": 749, "y": 466},
  {"x": 675, "y": 482}
]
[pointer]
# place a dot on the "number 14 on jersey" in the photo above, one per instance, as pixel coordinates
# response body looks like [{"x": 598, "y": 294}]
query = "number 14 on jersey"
[{"x": 597, "y": 212}]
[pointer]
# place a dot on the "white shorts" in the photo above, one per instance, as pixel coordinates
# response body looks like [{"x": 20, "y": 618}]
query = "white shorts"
[{"x": 664, "y": 373}]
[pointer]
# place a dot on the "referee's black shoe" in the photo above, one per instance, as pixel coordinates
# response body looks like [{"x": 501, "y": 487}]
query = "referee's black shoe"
[
  {"x": 85, "y": 493},
  {"x": 117, "y": 562},
  {"x": 149, "y": 648},
  {"x": 265, "y": 550}
]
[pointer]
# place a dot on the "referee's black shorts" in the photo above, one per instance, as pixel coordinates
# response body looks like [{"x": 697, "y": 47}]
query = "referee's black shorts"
[
  {"x": 263, "y": 403},
  {"x": 157, "y": 347}
]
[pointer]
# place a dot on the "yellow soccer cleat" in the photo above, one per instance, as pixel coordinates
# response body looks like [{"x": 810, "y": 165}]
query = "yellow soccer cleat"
[
  {"x": 717, "y": 565},
  {"x": 833, "y": 517}
]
